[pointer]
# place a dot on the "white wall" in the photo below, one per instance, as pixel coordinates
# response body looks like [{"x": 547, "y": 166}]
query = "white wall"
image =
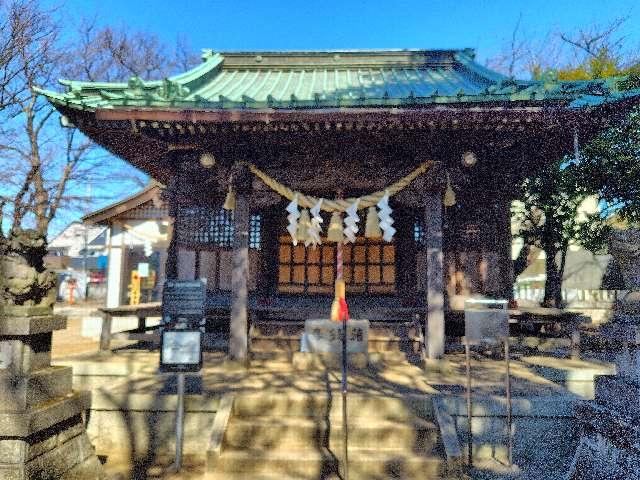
[
  {"x": 114, "y": 268},
  {"x": 132, "y": 233}
]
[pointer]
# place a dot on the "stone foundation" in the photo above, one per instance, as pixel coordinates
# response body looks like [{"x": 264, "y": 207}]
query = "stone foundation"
[{"x": 42, "y": 431}]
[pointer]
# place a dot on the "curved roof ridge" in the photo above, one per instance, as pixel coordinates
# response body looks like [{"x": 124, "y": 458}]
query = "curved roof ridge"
[
  {"x": 469, "y": 62},
  {"x": 222, "y": 81}
]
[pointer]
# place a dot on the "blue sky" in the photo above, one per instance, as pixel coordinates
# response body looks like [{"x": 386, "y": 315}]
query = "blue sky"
[{"x": 264, "y": 25}]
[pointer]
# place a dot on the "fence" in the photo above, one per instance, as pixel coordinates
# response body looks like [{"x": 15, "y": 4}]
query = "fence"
[{"x": 571, "y": 296}]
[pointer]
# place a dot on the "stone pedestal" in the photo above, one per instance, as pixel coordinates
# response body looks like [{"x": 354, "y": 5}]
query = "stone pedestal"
[
  {"x": 610, "y": 443},
  {"x": 42, "y": 432}
]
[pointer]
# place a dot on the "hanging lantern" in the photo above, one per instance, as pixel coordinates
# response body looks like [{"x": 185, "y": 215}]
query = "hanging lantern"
[
  {"x": 230, "y": 200},
  {"x": 449, "y": 195},
  {"x": 303, "y": 226},
  {"x": 372, "y": 226},
  {"x": 335, "y": 233}
]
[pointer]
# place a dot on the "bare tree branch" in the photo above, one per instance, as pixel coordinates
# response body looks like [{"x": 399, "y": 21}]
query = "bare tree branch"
[
  {"x": 592, "y": 40},
  {"x": 50, "y": 165}
]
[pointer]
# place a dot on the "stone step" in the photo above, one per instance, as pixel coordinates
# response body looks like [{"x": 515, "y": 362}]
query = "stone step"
[
  {"x": 395, "y": 330},
  {"x": 290, "y": 344},
  {"x": 363, "y": 464},
  {"x": 291, "y": 432},
  {"x": 288, "y": 462},
  {"x": 369, "y": 464},
  {"x": 321, "y": 404},
  {"x": 315, "y": 362},
  {"x": 266, "y": 476}
]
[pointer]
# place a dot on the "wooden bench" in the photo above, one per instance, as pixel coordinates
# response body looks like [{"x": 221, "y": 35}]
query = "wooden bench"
[
  {"x": 142, "y": 311},
  {"x": 560, "y": 322}
]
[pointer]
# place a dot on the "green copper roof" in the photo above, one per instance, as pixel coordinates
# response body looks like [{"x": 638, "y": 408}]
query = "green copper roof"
[{"x": 331, "y": 79}]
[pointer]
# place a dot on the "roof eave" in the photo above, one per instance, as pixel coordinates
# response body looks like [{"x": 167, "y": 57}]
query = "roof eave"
[{"x": 101, "y": 216}]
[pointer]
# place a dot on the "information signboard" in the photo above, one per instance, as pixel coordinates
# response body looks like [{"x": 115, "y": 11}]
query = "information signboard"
[
  {"x": 485, "y": 321},
  {"x": 183, "y": 302},
  {"x": 325, "y": 336},
  {"x": 182, "y": 319},
  {"x": 181, "y": 351}
]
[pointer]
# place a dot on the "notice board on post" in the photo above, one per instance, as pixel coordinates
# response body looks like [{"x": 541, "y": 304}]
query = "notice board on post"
[
  {"x": 485, "y": 321},
  {"x": 183, "y": 302},
  {"x": 181, "y": 351},
  {"x": 183, "y": 318}
]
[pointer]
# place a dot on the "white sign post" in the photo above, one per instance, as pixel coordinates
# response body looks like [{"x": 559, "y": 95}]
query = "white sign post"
[
  {"x": 487, "y": 322},
  {"x": 181, "y": 347},
  {"x": 180, "y": 352}
]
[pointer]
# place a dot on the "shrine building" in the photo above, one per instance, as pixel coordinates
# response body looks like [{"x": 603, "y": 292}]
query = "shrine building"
[{"x": 425, "y": 147}]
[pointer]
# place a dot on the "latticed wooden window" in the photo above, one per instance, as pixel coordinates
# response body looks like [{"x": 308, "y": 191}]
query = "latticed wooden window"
[
  {"x": 306, "y": 269},
  {"x": 255, "y": 238},
  {"x": 203, "y": 226},
  {"x": 369, "y": 267}
]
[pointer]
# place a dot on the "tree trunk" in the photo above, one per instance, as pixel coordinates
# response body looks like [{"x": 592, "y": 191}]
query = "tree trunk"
[
  {"x": 553, "y": 282},
  {"x": 563, "y": 262},
  {"x": 521, "y": 263}
]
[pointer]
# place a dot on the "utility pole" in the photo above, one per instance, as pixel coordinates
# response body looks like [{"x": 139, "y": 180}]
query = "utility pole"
[{"x": 86, "y": 243}]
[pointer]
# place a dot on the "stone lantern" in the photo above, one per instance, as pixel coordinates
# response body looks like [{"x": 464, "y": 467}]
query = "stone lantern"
[
  {"x": 610, "y": 442},
  {"x": 42, "y": 431}
]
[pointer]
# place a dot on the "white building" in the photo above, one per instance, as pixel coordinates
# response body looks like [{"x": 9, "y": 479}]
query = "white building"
[{"x": 136, "y": 240}]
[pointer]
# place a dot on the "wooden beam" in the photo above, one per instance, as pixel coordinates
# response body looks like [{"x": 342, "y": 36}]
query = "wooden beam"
[
  {"x": 238, "y": 342},
  {"x": 434, "y": 328},
  {"x": 363, "y": 114}
]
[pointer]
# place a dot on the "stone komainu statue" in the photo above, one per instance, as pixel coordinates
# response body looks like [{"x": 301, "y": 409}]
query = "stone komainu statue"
[
  {"x": 624, "y": 246},
  {"x": 26, "y": 286}
]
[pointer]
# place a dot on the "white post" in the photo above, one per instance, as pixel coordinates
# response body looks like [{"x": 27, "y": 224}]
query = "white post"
[{"x": 114, "y": 268}]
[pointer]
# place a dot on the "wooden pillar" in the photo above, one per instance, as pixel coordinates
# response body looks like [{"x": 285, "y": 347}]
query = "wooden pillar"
[
  {"x": 124, "y": 277},
  {"x": 171, "y": 197},
  {"x": 238, "y": 342},
  {"x": 163, "y": 248},
  {"x": 434, "y": 328}
]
